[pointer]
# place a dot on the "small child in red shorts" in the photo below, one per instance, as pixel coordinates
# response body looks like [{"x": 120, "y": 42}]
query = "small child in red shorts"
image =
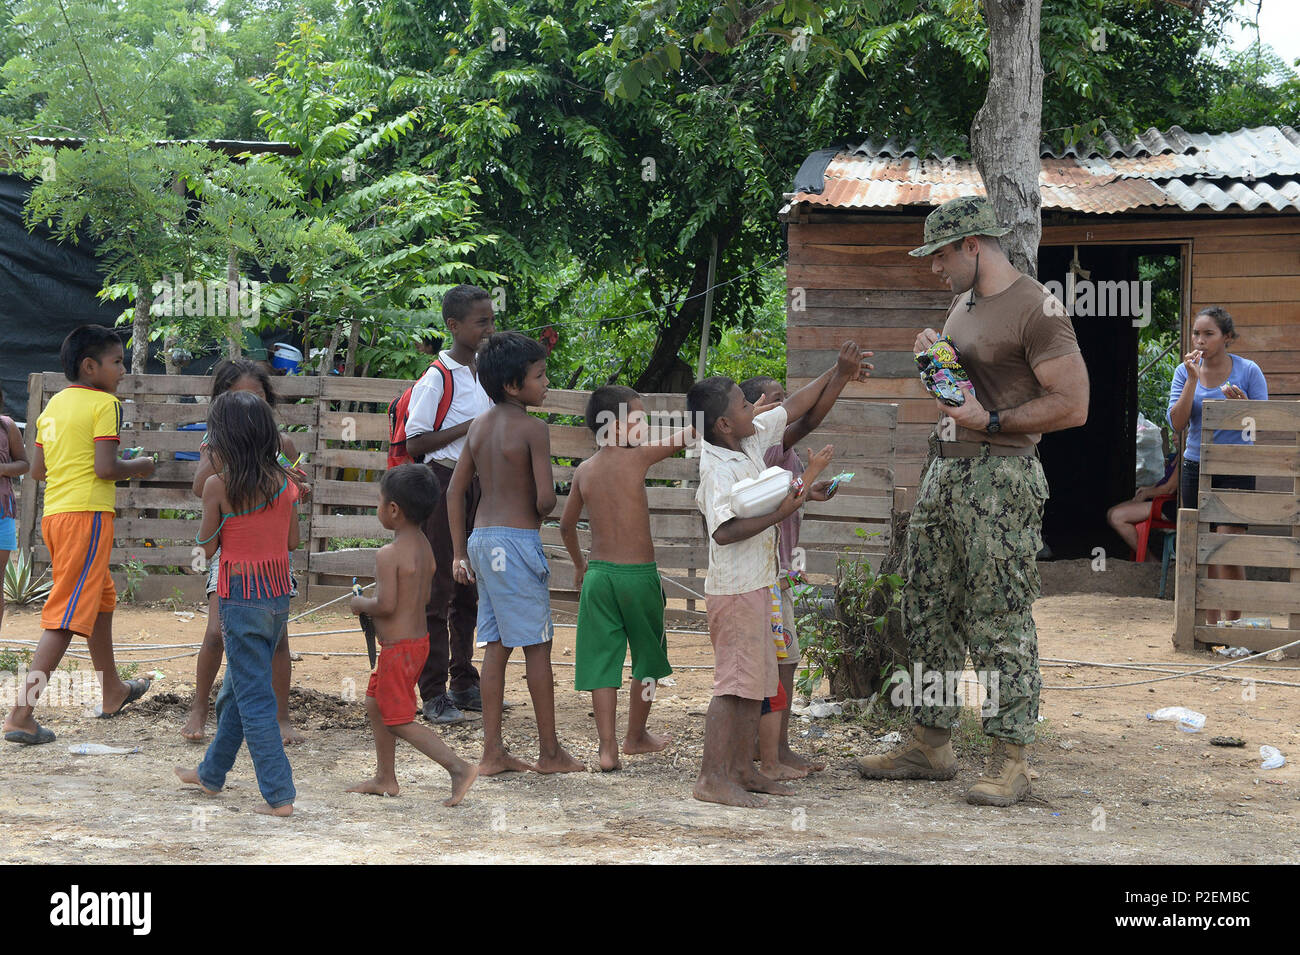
[{"x": 403, "y": 576}]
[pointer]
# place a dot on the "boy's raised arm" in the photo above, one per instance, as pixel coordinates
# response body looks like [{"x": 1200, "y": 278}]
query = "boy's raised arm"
[
  {"x": 802, "y": 401},
  {"x": 539, "y": 449},
  {"x": 655, "y": 451},
  {"x": 456, "y": 488},
  {"x": 847, "y": 365},
  {"x": 569, "y": 533}
]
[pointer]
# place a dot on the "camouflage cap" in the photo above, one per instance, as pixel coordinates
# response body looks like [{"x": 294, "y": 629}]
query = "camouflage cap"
[{"x": 956, "y": 219}]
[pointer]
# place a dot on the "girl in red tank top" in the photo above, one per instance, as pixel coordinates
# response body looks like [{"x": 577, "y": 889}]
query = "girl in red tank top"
[{"x": 248, "y": 510}]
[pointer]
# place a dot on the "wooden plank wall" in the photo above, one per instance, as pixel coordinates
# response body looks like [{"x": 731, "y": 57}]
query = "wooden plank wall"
[
  {"x": 1275, "y": 513},
  {"x": 849, "y": 276},
  {"x": 342, "y": 423}
]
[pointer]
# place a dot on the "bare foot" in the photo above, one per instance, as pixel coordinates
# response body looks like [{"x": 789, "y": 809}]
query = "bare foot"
[
  {"x": 758, "y": 783},
  {"x": 503, "y": 762},
  {"x": 268, "y": 810},
  {"x": 30, "y": 726},
  {"x": 190, "y": 777},
  {"x": 375, "y": 786},
  {"x": 561, "y": 762},
  {"x": 289, "y": 735},
  {"x": 609, "y": 760},
  {"x": 193, "y": 728},
  {"x": 790, "y": 758},
  {"x": 461, "y": 780},
  {"x": 726, "y": 793},
  {"x": 645, "y": 743},
  {"x": 781, "y": 771}
]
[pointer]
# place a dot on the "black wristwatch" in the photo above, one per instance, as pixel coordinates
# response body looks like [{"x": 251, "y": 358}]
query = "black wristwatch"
[{"x": 994, "y": 425}]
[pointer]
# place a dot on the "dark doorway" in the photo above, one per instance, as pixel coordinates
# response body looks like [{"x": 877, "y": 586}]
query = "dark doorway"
[{"x": 1093, "y": 467}]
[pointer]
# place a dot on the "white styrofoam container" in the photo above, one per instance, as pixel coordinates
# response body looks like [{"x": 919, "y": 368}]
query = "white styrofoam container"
[{"x": 761, "y": 495}]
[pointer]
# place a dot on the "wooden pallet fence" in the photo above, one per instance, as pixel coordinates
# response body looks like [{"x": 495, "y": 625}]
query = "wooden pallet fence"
[
  {"x": 342, "y": 424},
  {"x": 1199, "y": 546}
]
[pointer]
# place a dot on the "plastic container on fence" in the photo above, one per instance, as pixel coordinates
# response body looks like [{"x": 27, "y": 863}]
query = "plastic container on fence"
[
  {"x": 1189, "y": 721},
  {"x": 1273, "y": 759},
  {"x": 287, "y": 357}
]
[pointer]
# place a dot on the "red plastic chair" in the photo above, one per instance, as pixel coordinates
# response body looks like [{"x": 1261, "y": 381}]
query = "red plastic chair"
[{"x": 1154, "y": 521}]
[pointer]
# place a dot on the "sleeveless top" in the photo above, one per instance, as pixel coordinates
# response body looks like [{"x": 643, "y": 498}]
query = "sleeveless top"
[
  {"x": 254, "y": 546},
  {"x": 7, "y": 508}
]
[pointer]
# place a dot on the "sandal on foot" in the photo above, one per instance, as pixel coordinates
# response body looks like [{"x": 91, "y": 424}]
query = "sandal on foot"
[
  {"x": 42, "y": 735},
  {"x": 137, "y": 688}
]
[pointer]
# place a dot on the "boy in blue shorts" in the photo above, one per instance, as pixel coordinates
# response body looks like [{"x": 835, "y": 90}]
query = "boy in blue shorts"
[
  {"x": 510, "y": 451},
  {"x": 622, "y": 600}
]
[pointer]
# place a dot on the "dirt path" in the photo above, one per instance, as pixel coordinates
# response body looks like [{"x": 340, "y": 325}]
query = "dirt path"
[{"x": 1162, "y": 795}]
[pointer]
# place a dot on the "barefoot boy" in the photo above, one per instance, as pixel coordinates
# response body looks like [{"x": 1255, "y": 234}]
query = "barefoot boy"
[
  {"x": 776, "y": 758},
  {"x": 622, "y": 600},
  {"x": 510, "y": 451},
  {"x": 76, "y": 457},
  {"x": 742, "y": 571},
  {"x": 403, "y": 575}
]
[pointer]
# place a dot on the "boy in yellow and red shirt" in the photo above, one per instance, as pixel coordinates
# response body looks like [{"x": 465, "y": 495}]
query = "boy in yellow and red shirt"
[{"x": 76, "y": 456}]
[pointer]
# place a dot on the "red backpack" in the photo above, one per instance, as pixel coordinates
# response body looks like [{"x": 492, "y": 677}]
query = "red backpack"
[{"x": 400, "y": 409}]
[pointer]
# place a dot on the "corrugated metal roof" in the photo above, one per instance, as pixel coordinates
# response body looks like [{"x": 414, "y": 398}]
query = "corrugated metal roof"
[
  {"x": 1248, "y": 169},
  {"x": 231, "y": 146}
]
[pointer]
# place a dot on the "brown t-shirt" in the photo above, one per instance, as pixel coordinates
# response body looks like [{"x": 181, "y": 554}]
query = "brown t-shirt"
[{"x": 999, "y": 342}]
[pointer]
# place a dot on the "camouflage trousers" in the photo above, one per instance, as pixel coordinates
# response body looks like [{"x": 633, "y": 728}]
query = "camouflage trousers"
[{"x": 970, "y": 582}]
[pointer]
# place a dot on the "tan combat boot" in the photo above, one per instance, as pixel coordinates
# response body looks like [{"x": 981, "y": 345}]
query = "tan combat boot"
[
  {"x": 1006, "y": 781},
  {"x": 928, "y": 756}
]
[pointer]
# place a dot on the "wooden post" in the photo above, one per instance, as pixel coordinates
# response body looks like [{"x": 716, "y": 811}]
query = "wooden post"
[
  {"x": 1293, "y": 620},
  {"x": 708, "y": 309},
  {"x": 1185, "y": 581},
  {"x": 31, "y": 488}
]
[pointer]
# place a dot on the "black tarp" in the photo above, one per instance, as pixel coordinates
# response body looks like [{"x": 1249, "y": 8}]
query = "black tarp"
[{"x": 46, "y": 290}]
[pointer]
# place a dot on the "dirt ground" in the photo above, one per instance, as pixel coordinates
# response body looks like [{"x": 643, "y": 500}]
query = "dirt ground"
[{"x": 1112, "y": 787}]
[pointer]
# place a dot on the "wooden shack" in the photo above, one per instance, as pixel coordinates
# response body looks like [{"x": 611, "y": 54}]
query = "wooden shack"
[{"x": 1227, "y": 205}]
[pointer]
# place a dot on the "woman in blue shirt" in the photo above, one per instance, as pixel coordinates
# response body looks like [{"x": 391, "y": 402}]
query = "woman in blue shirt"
[{"x": 1214, "y": 374}]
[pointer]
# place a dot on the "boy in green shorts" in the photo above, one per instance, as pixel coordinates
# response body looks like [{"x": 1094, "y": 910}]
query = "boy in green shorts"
[{"x": 622, "y": 600}]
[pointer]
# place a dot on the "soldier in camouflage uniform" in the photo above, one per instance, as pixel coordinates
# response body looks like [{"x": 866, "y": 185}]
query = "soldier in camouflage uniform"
[{"x": 969, "y": 564}]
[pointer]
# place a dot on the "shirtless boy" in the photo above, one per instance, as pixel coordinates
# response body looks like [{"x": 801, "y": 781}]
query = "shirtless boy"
[
  {"x": 622, "y": 600},
  {"x": 510, "y": 451},
  {"x": 403, "y": 575}
]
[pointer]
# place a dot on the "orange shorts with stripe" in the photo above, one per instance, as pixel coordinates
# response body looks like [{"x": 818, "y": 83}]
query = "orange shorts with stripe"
[{"x": 80, "y": 544}]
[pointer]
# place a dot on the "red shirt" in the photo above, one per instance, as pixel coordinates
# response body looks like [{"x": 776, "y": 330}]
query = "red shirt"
[{"x": 255, "y": 546}]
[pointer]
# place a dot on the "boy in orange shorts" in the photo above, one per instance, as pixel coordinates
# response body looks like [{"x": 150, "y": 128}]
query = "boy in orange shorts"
[
  {"x": 403, "y": 575},
  {"x": 76, "y": 456}
]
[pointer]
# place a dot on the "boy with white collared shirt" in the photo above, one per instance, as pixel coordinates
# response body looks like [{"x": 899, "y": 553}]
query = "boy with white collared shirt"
[
  {"x": 742, "y": 571},
  {"x": 444, "y": 402}
]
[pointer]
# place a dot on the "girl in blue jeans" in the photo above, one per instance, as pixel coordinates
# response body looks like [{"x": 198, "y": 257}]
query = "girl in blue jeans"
[{"x": 248, "y": 511}]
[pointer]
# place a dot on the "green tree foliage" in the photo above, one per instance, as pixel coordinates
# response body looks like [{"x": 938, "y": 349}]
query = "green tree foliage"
[{"x": 360, "y": 242}]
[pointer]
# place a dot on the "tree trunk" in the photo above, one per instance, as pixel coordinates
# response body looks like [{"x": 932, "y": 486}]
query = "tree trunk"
[
  {"x": 1007, "y": 131},
  {"x": 327, "y": 359},
  {"x": 234, "y": 325},
  {"x": 354, "y": 338},
  {"x": 170, "y": 344},
  {"x": 140, "y": 329}
]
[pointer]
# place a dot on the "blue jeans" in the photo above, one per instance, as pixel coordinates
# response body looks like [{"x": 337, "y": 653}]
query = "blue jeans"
[{"x": 251, "y": 628}]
